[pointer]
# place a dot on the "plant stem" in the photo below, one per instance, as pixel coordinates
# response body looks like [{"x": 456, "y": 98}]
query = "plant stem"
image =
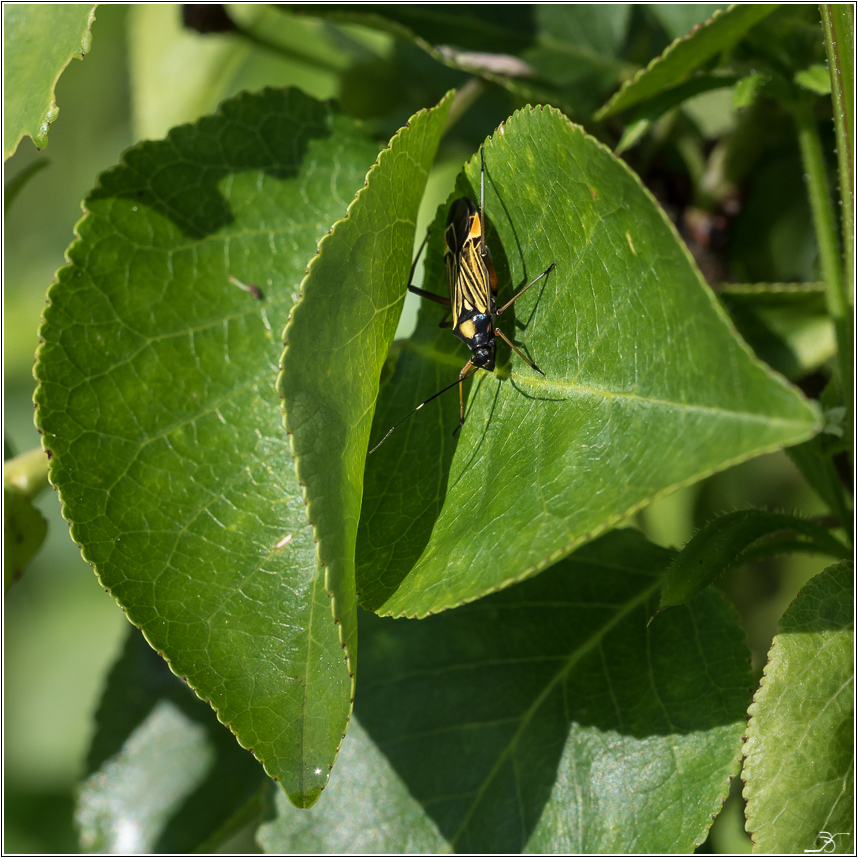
[
  {"x": 27, "y": 472},
  {"x": 838, "y": 24},
  {"x": 824, "y": 223}
]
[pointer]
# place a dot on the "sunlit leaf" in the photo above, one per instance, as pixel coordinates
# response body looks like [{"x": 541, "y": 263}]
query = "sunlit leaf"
[
  {"x": 646, "y": 387},
  {"x": 337, "y": 339},
  {"x": 157, "y": 400},
  {"x": 799, "y": 769}
]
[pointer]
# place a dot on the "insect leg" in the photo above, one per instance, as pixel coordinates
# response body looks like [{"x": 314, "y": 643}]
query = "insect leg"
[
  {"x": 530, "y": 363},
  {"x": 516, "y": 297},
  {"x": 438, "y": 299},
  {"x": 425, "y": 402},
  {"x": 422, "y": 292},
  {"x": 462, "y": 377}
]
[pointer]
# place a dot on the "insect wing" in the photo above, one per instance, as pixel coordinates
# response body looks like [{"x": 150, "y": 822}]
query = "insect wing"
[{"x": 467, "y": 275}]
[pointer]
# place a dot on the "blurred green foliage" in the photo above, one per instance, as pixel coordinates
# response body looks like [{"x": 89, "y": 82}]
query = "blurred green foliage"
[{"x": 730, "y": 178}]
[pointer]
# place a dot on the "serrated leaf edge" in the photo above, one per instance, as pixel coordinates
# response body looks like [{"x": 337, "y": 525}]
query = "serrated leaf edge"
[
  {"x": 335, "y": 607},
  {"x": 614, "y": 520},
  {"x": 141, "y": 146},
  {"x": 609, "y": 108}
]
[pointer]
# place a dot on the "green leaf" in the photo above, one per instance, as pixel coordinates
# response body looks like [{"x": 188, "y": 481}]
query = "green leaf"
[
  {"x": 631, "y": 405},
  {"x": 786, "y": 324},
  {"x": 367, "y": 810},
  {"x": 815, "y": 78},
  {"x": 157, "y": 399},
  {"x": 655, "y": 108},
  {"x": 799, "y": 754},
  {"x": 24, "y": 527},
  {"x": 747, "y": 89},
  {"x": 163, "y": 774},
  {"x": 721, "y": 543},
  {"x": 337, "y": 339},
  {"x": 679, "y": 19},
  {"x": 39, "y": 41},
  {"x": 548, "y": 718},
  {"x": 686, "y": 55},
  {"x": 24, "y": 531}
]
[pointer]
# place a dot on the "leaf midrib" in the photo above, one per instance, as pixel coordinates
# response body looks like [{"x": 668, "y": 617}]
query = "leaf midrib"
[{"x": 574, "y": 657}]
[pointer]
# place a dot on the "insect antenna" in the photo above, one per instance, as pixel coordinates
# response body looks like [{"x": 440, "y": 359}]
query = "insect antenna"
[{"x": 425, "y": 402}]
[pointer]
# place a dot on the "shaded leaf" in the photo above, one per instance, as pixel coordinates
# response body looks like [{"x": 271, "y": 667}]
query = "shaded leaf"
[
  {"x": 547, "y": 718},
  {"x": 336, "y": 341},
  {"x": 164, "y": 775},
  {"x": 156, "y": 396},
  {"x": 642, "y": 119},
  {"x": 686, "y": 55},
  {"x": 721, "y": 543},
  {"x": 367, "y": 810},
  {"x": 39, "y": 41},
  {"x": 786, "y": 324},
  {"x": 678, "y": 19},
  {"x": 799, "y": 754},
  {"x": 627, "y": 334},
  {"x": 569, "y": 55}
]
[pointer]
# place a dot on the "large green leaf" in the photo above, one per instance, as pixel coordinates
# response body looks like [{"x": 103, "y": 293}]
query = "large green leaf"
[
  {"x": 687, "y": 54},
  {"x": 39, "y": 41},
  {"x": 163, "y": 775},
  {"x": 646, "y": 386},
  {"x": 800, "y": 757},
  {"x": 549, "y": 718},
  {"x": 337, "y": 339},
  {"x": 157, "y": 401}
]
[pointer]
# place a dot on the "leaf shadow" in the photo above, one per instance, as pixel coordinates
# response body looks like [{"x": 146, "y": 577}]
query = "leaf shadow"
[
  {"x": 477, "y": 708},
  {"x": 181, "y": 177}
]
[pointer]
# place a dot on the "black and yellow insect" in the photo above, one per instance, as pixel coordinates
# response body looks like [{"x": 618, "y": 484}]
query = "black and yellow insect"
[{"x": 473, "y": 288}]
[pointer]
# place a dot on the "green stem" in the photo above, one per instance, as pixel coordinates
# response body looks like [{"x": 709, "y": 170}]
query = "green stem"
[
  {"x": 838, "y": 24},
  {"x": 284, "y": 51},
  {"x": 27, "y": 472},
  {"x": 825, "y": 225}
]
